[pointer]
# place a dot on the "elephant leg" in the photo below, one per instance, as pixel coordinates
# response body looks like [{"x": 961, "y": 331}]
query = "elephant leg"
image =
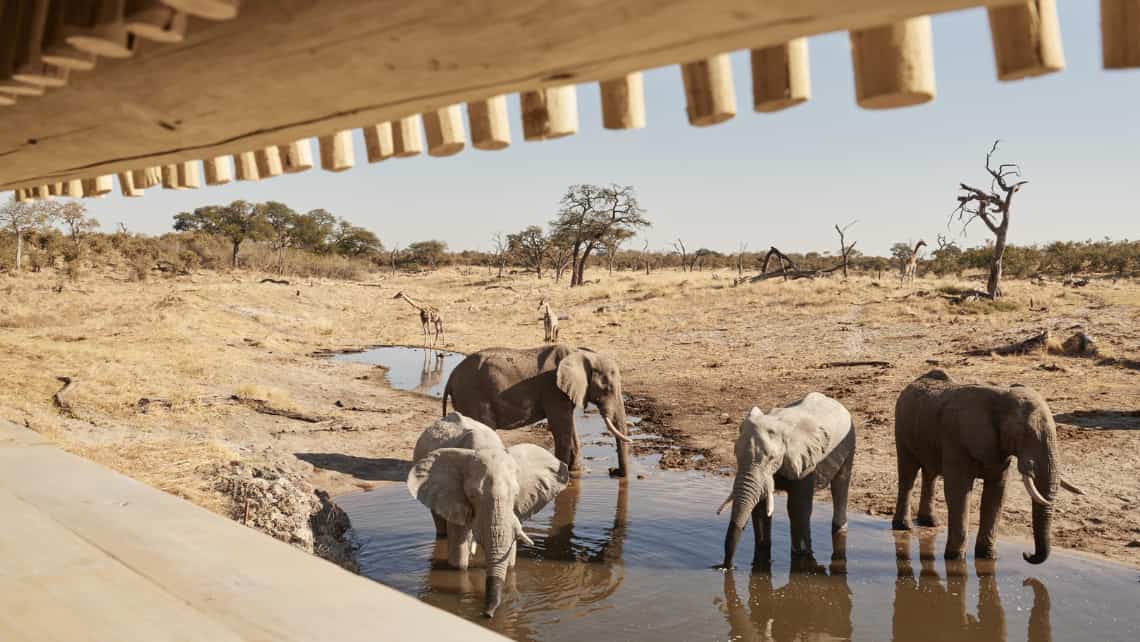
[
  {"x": 926, "y": 500},
  {"x": 458, "y": 545},
  {"x": 957, "y": 486},
  {"x": 799, "y": 515},
  {"x": 908, "y": 471},
  {"x": 440, "y": 525},
  {"x": 993, "y": 495},
  {"x": 762, "y": 532},
  {"x": 566, "y": 446},
  {"x": 840, "y": 485}
]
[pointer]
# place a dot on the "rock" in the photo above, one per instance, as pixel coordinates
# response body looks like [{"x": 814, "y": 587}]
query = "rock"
[
  {"x": 725, "y": 418},
  {"x": 1133, "y": 544}
]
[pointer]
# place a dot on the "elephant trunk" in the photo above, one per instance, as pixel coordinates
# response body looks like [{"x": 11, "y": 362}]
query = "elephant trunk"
[
  {"x": 1042, "y": 484},
  {"x": 750, "y": 486},
  {"x": 500, "y": 533},
  {"x": 616, "y": 423}
]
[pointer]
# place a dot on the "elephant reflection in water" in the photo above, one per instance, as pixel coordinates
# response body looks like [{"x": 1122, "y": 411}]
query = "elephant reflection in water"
[
  {"x": 815, "y": 604},
  {"x": 925, "y": 609},
  {"x": 431, "y": 374}
]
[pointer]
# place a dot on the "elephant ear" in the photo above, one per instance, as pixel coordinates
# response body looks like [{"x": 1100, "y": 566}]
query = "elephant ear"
[
  {"x": 807, "y": 444},
  {"x": 572, "y": 378},
  {"x": 437, "y": 481},
  {"x": 540, "y": 475}
]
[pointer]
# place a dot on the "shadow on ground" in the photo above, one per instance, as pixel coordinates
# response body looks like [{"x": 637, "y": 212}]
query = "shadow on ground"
[
  {"x": 1102, "y": 419},
  {"x": 365, "y": 468}
]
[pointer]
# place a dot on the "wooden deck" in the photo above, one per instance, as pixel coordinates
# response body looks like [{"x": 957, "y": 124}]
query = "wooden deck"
[{"x": 88, "y": 554}]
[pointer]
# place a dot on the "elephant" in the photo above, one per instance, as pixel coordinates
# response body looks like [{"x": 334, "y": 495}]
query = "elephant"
[
  {"x": 507, "y": 388},
  {"x": 482, "y": 491},
  {"x": 799, "y": 448},
  {"x": 962, "y": 432}
]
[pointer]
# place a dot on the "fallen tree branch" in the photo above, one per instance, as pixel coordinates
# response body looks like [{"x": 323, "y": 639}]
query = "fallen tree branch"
[
  {"x": 275, "y": 281},
  {"x": 263, "y": 407},
  {"x": 59, "y": 399},
  {"x": 855, "y": 364},
  {"x": 342, "y": 406}
]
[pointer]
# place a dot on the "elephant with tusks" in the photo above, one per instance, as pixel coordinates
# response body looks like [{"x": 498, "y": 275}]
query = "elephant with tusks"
[
  {"x": 800, "y": 448},
  {"x": 479, "y": 492}
]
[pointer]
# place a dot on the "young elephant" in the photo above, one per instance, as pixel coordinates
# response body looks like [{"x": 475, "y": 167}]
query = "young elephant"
[
  {"x": 962, "y": 432},
  {"x": 483, "y": 491},
  {"x": 799, "y": 448}
]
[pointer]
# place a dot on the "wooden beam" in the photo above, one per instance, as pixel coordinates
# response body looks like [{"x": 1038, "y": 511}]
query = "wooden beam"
[
  {"x": 268, "y": 162},
  {"x": 56, "y": 50},
  {"x": 29, "y": 63},
  {"x": 1120, "y": 33},
  {"x": 549, "y": 113},
  {"x": 209, "y": 9},
  {"x": 490, "y": 126},
  {"x": 153, "y": 20},
  {"x": 56, "y": 189},
  {"x": 378, "y": 142},
  {"x": 710, "y": 97},
  {"x": 219, "y": 171},
  {"x": 147, "y": 177},
  {"x": 406, "y": 140},
  {"x": 127, "y": 185},
  {"x": 98, "y": 186},
  {"x": 444, "y": 131},
  {"x": 297, "y": 156},
  {"x": 188, "y": 176},
  {"x": 101, "y": 30},
  {"x": 73, "y": 188},
  {"x": 170, "y": 177},
  {"x": 781, "y": 76},
  {"x": 336, "y": 151},
  {"x": 623, "y": 102},
  {"x": 1026, "y": 38},
  {"x": 894, "y": 64},
  {"x": 245, "y": 167}
]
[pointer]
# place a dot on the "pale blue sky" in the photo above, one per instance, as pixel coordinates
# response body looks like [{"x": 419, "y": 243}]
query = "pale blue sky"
[{"x": 781, "y": 179}]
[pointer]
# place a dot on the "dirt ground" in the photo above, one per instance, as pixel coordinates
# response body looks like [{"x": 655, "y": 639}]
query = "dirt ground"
[{"x": 176, "y": 375}]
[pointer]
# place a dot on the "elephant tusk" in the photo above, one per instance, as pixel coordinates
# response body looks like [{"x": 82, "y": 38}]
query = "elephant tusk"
[
  {"x": 770, "y": 505},
  {"x": 1076, "y": 490},
  {"x": 724, "y": 505},
  {"x": 522, "y": 536},
  {"x": 474, "y": 545},
  {"x": 613, "y": 429},
  {"x": 1031, "y": 488}
]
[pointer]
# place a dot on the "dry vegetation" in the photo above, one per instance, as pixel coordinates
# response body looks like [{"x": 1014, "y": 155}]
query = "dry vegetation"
[{"x": 696, "y": 353}]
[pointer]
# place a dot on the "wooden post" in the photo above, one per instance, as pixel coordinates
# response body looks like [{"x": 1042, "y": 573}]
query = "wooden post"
[
  {"x": 245, "y": 167},
  {"x": 297, "y": 156},
  {"x": 210, "y": 9},
  {"x": 1027, "y": 39},
  {"x": 188, "y": 177},
  {"x": 1120, "y": 33},
  {"x": 444, "y": 131},
  {"x": 549, "y": 113},
  {"x": 102, "y": 31},
  {"x": 97, "y": 186},
  {"x": 73, "y": 188},
  {"x": 218, "y": 170},
  {"x": 781, "y": 76},
  {"x": 490, "y": 127},
  {"x": 623, "y": 102},
  {"x": 29, "y": 65},
  {"x": 406, "y": 139},
  {"x": 378, "y": 142},
  {"x": 710, "y": 97},
  {"x": 894, "y": 64},
  {"x": 56, "y": 51},
  {"x": 268, "y": 162},
  {"x": 153, "y": 20},
  {"x": 336, "y": 151},
  {"x": 147, "y": 177},
  {"x": 127, "y": 185}
]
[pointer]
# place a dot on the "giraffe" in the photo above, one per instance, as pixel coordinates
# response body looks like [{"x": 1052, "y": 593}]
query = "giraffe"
[
  {"x": 549, "y": 320},
  {"x": 429, "y": 317},
  {"x": 911, "y": 266}
]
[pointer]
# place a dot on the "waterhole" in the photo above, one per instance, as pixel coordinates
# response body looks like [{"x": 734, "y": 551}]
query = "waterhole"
[{"x": 630, "y": 560}]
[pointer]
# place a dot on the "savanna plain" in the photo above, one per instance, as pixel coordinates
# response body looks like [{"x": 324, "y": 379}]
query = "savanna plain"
[{"x": 194, "y": 383}]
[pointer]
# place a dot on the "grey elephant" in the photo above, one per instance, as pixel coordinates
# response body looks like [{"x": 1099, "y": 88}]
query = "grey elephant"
[
  {"x": 508, "y": 388},
  {"x": 482, "y": 492},
  {"x": 800, "y": 448},
  {"x": 962, "y": 432}
]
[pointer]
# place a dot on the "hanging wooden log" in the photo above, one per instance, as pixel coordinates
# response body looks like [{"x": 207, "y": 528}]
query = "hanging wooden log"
[
  {"x": 170, "y": 177},
  {"x": 623, "y": 102},
  {"x": 378, "y": 142},
  {"x": 210, "y": 9},
  {"x": 30, "y": 66},
  {"x": 73, "y": 188},
  {"x": 406, "y": 139},
  {"x": 710, "y": 97},
  {"x": 894, "y": 64},
  {"x": 1120, "y": 33},
  {"x": 100, "y": 29},
  {"x": 444, "y": 131},
  {"x": 56, "y": 50},
  {"x": 56, "y": 189},
  {"x": 43, "y": 192},
  {"x": 268, "y": 162},
  {"x": 153, "y": 20},
  {"x": 98, "y": 186},
  {"x": 188, "y": 176},
  {"x": 20, "y": 195},
  {"x": 1027, "y": 39},
  {"x": 245, "y": 167},
  {"x": 336, "y": 151},
  {"x": 490, "y": 126},
  {"x": 549, "y": 113},
  {"x": 781, "y": 76},
  {"x": 127, "y": 185},
  {"x": 147, "y": 177},
  {"x": 297, "y": 156},
  {"x": 218, "y": 170}
]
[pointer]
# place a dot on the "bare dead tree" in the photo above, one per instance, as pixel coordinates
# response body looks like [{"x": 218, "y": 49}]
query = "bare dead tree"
[
  {"x": 992, "y": 208},
  {"x": 784, "y": 262},
  {"x": 394, "y": 257},
  {"x": 645, "y": 256},
  {"x": 845, "y": 250},
  {"x": 679, "y": 248},
  {"x": 740, "y": 260},
  {"x": 501, "y": 245}
]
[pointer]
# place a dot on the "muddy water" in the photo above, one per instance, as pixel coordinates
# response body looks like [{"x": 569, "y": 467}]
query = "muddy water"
[{"x": 629, "y": 560}]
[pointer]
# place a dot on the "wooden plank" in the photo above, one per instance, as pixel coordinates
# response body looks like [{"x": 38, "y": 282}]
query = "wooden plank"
[
  {"x": 247, "y": 582},
  {"x": 55, "y": 587},
  {"x": 290, "y": 69}
]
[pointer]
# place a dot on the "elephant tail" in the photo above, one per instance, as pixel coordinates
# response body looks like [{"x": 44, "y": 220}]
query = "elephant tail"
[{"x": 446, "y": 394}]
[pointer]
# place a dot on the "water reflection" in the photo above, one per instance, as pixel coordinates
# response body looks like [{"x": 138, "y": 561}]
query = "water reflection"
[
  {"x": 431, "y": 374},
  {"x": 592, "y": 568},
  {"x": 815, "y": 604}
]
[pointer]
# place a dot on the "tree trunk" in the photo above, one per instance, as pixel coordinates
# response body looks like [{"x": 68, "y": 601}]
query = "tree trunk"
[
  {"x": 237, "y": 245},
  {"x": 844, "y": 266},
  {"x": 19, "y": 248},
  {"x": 993, "y": 286},
  {"x": 501, "y": 262}
]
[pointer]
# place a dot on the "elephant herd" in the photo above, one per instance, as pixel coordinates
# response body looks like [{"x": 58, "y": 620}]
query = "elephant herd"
[{"x": 479, "y": 492}]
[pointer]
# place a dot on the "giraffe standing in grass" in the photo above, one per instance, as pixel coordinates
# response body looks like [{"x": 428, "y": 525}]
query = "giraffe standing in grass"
[
  {"x": 911, "y": 267},
  {"x": 429, "y": 317},
  {"x": 549, "y": 320}
]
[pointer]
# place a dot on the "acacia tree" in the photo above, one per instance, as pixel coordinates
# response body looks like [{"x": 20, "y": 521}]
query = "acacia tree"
[
  {"x": 588, "y": 215},
  {"x": 239, "y": 221},
  {"x": 282, "y": 219},
  {"x": 532, "y": 246},
  {"x": 73, "y": 216},
  {"x": 992, "y": 208},
  {"x": 21, "y": 218}
]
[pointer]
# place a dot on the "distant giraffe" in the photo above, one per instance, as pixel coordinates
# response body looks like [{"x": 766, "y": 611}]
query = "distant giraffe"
[
  {"x": 549, "y": 320},
  {"x": 429, "y": 317},
  {"x": 911, "y": 266}
]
